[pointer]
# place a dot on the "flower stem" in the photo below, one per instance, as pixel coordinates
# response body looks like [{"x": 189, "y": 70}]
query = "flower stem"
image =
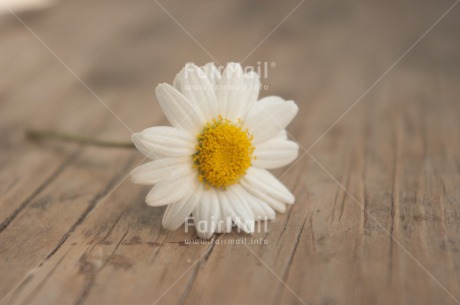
[{"x": 35, "y": 134}]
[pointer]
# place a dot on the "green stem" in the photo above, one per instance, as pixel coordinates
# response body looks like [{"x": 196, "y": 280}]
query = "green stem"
[{"x": 75, "y": 138}]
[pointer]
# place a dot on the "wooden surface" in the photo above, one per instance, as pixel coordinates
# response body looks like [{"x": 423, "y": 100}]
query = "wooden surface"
[{"x": 376, "y": 219}]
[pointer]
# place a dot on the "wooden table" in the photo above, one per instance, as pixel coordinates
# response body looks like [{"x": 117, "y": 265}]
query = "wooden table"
[{"x": 376, "y": 220}]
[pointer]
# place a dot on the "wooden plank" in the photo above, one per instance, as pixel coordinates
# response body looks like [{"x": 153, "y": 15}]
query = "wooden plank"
[{"x": 394, "y": 157}]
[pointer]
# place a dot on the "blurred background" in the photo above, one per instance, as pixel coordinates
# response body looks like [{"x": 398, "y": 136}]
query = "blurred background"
[
  {"x": 122, "y": 49},
  {"x": 377, "y": 84}
]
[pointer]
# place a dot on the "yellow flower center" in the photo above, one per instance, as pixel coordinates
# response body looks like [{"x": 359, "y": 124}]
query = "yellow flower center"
[{"x": 224, "y": 153}]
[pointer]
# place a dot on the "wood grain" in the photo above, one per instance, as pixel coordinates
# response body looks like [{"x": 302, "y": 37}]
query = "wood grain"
[{"x": 376, "y": 218}]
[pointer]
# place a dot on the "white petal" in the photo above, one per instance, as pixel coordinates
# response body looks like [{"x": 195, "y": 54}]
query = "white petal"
[
  {"x": 275, "y": 204},
  {"x": 177, "y": 212},
  {"x": 171, "y": 190},
  {"x": 236, "y": 92},
  {"x": 225, "y": 224},
  {"x": 154, "y": 171},
  {"x": 213, "y": 74},
  {"x": 251, "y": 91},
  {"x": 269, "y": 213},
  {"x": 163, "y": 141},
  {"x": 261, "y": 210},
  {"x": 206, "y": 214},
  {"x": 242, "y": 215},
  {"x": 282, "y": 135},
  {"x": 269, "y": 116},
  {"x": 194, "y": 84},
  {"x": 265, "y": 182},
  {"x": 275, "y": 153},
  {"x": 180, "y": 112}
]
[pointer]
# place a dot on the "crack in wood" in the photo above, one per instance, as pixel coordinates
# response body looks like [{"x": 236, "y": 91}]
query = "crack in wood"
[
  {"x": 45, "y": 183},
  {"x": 113, "y": 182}
]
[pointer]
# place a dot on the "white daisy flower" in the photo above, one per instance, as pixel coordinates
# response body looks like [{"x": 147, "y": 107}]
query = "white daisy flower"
[{"x": 212, "y": 163}]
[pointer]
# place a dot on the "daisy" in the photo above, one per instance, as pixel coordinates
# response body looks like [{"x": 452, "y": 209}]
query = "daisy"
[{"x": 212, "y": 162}]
